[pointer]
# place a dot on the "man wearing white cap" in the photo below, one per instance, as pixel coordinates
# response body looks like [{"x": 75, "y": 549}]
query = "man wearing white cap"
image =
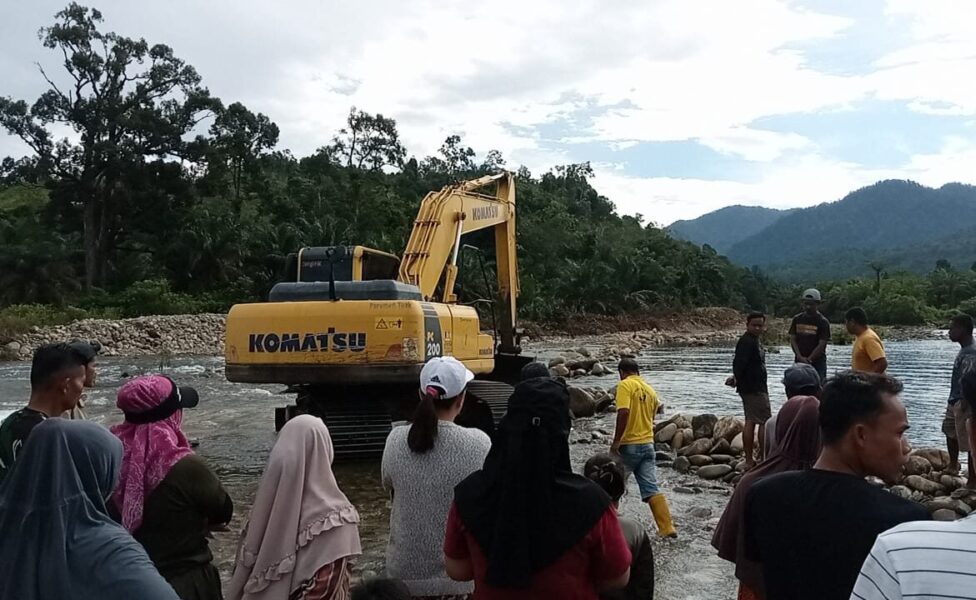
[{"x": 810, "y": 333}]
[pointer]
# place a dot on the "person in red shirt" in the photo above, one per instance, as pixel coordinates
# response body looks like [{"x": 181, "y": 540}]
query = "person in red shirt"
[{"x": 525, "y": 526}]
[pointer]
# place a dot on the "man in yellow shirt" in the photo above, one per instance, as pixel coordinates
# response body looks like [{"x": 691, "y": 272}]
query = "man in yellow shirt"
[
  {"x": 633, "y": 440},
  {"x": 868, "y": 354}
]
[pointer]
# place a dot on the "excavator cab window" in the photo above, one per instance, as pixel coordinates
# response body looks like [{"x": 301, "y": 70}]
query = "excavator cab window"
[{"x": 379, "y": 265}]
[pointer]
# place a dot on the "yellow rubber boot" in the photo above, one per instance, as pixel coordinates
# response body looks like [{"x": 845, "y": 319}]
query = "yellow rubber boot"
[{"x": 662, "y": 515}]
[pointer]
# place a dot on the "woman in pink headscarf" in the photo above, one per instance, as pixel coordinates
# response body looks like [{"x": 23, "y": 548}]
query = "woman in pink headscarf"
[
  {"x": 167, "y": 496},
  {"x": 303, "y": 531}
]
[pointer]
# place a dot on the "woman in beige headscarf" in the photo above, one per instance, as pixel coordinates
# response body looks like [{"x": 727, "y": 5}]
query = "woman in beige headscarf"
[{"x": 303, "y": 531}]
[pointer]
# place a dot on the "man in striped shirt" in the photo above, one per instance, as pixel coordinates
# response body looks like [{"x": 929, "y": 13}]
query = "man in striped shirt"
[{"x": 925, "y": 559}]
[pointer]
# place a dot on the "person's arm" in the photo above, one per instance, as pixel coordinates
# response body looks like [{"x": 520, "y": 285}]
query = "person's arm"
[
  {"x": 818, "y": 352},
  {"x": 642, "y": 569},
  {"x": 623, "y": 415},
  {"x": 459, "y": 569},
  {"x": 457, "y": 556},
  {"x": 623, "y": 399},
  {"x": 205, "y": 491},
  {"x": 875, "y": 351},
  {"x": 878, "y": 579},
  {"x": 386, "y": 464},
  {"x": 610, "y": 557},
  {"x": 740, "y": 361},
  {"x": 823, "y": 332},
  {"x": 797, "y": 357}
]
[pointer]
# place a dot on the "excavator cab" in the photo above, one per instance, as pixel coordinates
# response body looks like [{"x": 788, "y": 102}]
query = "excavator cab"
[{"x": 343, "y": 263}]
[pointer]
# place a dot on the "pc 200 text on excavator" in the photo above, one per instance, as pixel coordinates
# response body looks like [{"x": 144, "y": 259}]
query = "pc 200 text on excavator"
[{"x": 351, "y": 327}]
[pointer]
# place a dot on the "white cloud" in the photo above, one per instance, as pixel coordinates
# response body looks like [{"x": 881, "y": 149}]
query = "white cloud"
[{"x": 525, "y": 78}]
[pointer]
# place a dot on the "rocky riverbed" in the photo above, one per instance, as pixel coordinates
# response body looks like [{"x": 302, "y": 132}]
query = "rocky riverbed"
[{"x": 203, "y": 335}]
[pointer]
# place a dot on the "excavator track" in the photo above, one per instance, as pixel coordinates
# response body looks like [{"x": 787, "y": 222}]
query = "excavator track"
[{"x": 359, "y": 424}]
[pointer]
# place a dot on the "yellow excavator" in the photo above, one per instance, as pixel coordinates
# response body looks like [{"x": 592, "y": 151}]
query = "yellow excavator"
[{"x": 351, "y": 327}]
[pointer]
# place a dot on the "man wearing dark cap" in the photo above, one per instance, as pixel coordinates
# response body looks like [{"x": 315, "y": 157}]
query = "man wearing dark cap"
[
  {"x": 810, "y": 333},
  {"x": 800, "y": 379}
]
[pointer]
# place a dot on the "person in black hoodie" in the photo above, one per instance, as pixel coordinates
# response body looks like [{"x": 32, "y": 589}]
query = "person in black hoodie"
[{"x": 749, "y": 379}]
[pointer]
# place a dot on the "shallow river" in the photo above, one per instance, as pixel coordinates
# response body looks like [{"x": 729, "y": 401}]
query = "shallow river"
[{"x": 235, "y": 426}]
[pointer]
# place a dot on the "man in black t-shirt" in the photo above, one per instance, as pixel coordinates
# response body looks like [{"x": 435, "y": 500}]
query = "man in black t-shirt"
[
  {"x": 57, "y": 379},
  {"x": 749, "y": 379},
  {"x": 810, "y": 333},
  {"x": 810, "y": 531}
]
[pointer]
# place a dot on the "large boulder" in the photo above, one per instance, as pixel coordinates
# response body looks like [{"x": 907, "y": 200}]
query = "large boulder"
[
  {"x": 727, "y": 428},
  {"x": 937, "y": 457},
  {"x": 961, "y": 508},
  {"x": 678, "y": 441},
  {"x": 682, "y": 421},
  {"x": 559, "y": 371},
  {"x": 666, "y": 434},
  {"x": 581, "y": 402},
  {"x": 965, "y": 494},
  {"x": 700, "y": 460},
  {"x": 559, "y": 360},
  {"x": 599, "y": 370},
  {"x": 721, "y": 447},
  {"x": 921, "y": 484},
  {"x": 723, "y": 459},
  {"x": 901, "y": 491},
  {"x": 682, "y": 464},
  {"x": 662, "y": 424},
  {"x": 704, "y": 425},
  {"x": 917, "y": 465},
  {"x": 581, "y": 365},
  {"x": 736, "y": 444},
  {"x": 701, "y": 446},
  {"x": 603, "y": 402},
  {"x": 571, "y": 356},
  {"x": 952, "y": 482},
  {"x": 944, "y": 514},
  {"x": 714, "y": 471}
]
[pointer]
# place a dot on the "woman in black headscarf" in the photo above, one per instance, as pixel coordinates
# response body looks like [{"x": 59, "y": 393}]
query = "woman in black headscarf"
[
  {"x": 526, "y": 526},
  {"x": 56, "y": 537}
]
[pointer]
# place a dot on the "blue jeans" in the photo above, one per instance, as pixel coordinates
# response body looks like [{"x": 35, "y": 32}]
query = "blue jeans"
[{"x": 640, "y": 460}]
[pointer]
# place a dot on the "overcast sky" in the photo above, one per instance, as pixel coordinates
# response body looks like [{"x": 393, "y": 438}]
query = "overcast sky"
[{"x": 682, "y": 106}]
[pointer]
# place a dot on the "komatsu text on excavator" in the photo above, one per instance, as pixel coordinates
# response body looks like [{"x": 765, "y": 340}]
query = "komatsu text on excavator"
[{"x": 351, "y": 327}]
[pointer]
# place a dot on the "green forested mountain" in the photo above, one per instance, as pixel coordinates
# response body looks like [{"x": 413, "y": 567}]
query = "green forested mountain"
[
  {"x": 727, "y": 226},
  {"x": 899, "y": 224},
  {"x": 169, "y": 199}
]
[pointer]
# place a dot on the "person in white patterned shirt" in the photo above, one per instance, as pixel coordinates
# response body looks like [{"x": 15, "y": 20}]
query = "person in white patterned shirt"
[{"x": 925, "y": 559}]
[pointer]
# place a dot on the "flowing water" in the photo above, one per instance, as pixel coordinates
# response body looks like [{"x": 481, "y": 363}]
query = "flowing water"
[{"x": 235, "y": 426}]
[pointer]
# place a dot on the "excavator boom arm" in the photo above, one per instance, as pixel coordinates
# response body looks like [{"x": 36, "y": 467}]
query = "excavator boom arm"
[{"x": 446, "y": 215}]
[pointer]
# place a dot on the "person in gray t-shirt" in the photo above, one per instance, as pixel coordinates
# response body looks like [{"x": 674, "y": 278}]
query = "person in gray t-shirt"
[
  {"x": 422, "y": 462},
  {"x": 954, "y": 424}
]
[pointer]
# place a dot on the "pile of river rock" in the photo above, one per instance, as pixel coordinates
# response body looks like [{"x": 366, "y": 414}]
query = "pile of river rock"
[
  {"x": 157, "y": 335},
  {"x": 710, "y": 447}
]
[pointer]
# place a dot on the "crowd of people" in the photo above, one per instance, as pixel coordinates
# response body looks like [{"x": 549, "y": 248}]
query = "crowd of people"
[
  {"x": 128, "y": 512},
  {"x": 805, "y": 522}
]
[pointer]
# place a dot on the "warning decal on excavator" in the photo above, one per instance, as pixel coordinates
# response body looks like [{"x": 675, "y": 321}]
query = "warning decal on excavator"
[{"x": 387, "y": 323}]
